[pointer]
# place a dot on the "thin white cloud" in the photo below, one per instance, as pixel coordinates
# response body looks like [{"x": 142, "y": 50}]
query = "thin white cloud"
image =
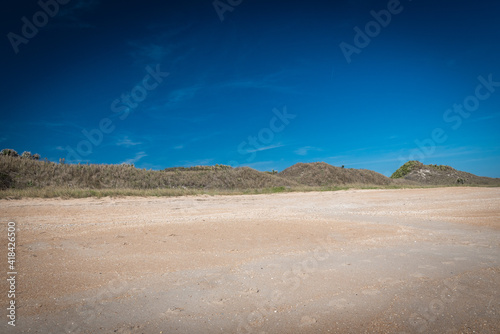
[
  {"x": 486, "y": 118},
  {"x": 137, "y": 157},
  {"x": 183, "y": 94},
  {"x": 127, "y": 142},
  {"x": 174, "y": 101},
  {"x": 305, "y": 150},
  {"x": 265, "y": 148}
]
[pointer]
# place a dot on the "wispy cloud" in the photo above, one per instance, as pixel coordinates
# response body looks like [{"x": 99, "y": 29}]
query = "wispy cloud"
[
  {"x": 444, "y": 151},
  {"x": 265, "y": 148},
  {"x": 183, "y": 94},
  {"x": 175, "y": 100},
  {"x": 127, "y": 142},
  {"x": 487, "y": 118},
  {"x": 305, "y": 150},
  {"x": 138, "y": 156}
]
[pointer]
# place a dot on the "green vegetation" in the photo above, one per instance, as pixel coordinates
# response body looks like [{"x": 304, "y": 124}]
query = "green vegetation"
[
  {"x": 13, "y": 153},
  {"x": 9, "y": 152},
  {"x": 441, "y": 167},
  {"x": 406, "y": 169},
  {"x": 413, "y": 165},
  {"x": 439, "y": 175},
  {"x": 26, "y": 175}
]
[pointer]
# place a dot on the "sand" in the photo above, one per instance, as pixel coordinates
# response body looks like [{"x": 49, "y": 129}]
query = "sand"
[{"x": 356, "y": 261}]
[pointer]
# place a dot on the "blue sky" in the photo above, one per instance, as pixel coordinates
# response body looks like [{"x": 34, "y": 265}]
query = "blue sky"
[{"x": 265, "y": 84}]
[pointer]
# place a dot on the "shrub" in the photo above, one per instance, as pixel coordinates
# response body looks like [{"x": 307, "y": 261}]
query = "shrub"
[
  {"x": 26, "y": 155},
  {"x": 441, "y": 167},
  {"x": 9, "y": 152},
  {"x": 5, "y": 181},
  {"x": 406, "y": 169}
]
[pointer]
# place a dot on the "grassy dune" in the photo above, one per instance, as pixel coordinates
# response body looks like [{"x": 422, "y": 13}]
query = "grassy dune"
[{"x": 26, "y": 177}]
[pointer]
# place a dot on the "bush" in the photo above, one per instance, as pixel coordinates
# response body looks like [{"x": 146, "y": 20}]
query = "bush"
[
  {"x": 9, "y": 152},
  {"x": 441, "y": 167},
  {"x": 406, "y": 169},
  {"x": 26, "y": 155},
  {"x": 5, "y": 181}
]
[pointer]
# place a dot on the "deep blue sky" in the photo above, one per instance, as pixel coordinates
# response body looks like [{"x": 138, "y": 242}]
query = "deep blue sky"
[{"x": 228, "y": 79}]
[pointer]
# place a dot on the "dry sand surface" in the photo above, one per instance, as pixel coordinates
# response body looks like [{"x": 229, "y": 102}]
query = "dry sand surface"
[{"x": 357, "y": 261}]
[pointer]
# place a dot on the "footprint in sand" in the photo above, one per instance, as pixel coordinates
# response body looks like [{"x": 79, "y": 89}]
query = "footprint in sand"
[
  {"x": 173, "y": 311},
  {"x": 307, "y": 321}
]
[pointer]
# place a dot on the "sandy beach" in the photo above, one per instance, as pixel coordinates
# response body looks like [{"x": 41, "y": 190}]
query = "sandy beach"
[{"x": 355, "y": 261}]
